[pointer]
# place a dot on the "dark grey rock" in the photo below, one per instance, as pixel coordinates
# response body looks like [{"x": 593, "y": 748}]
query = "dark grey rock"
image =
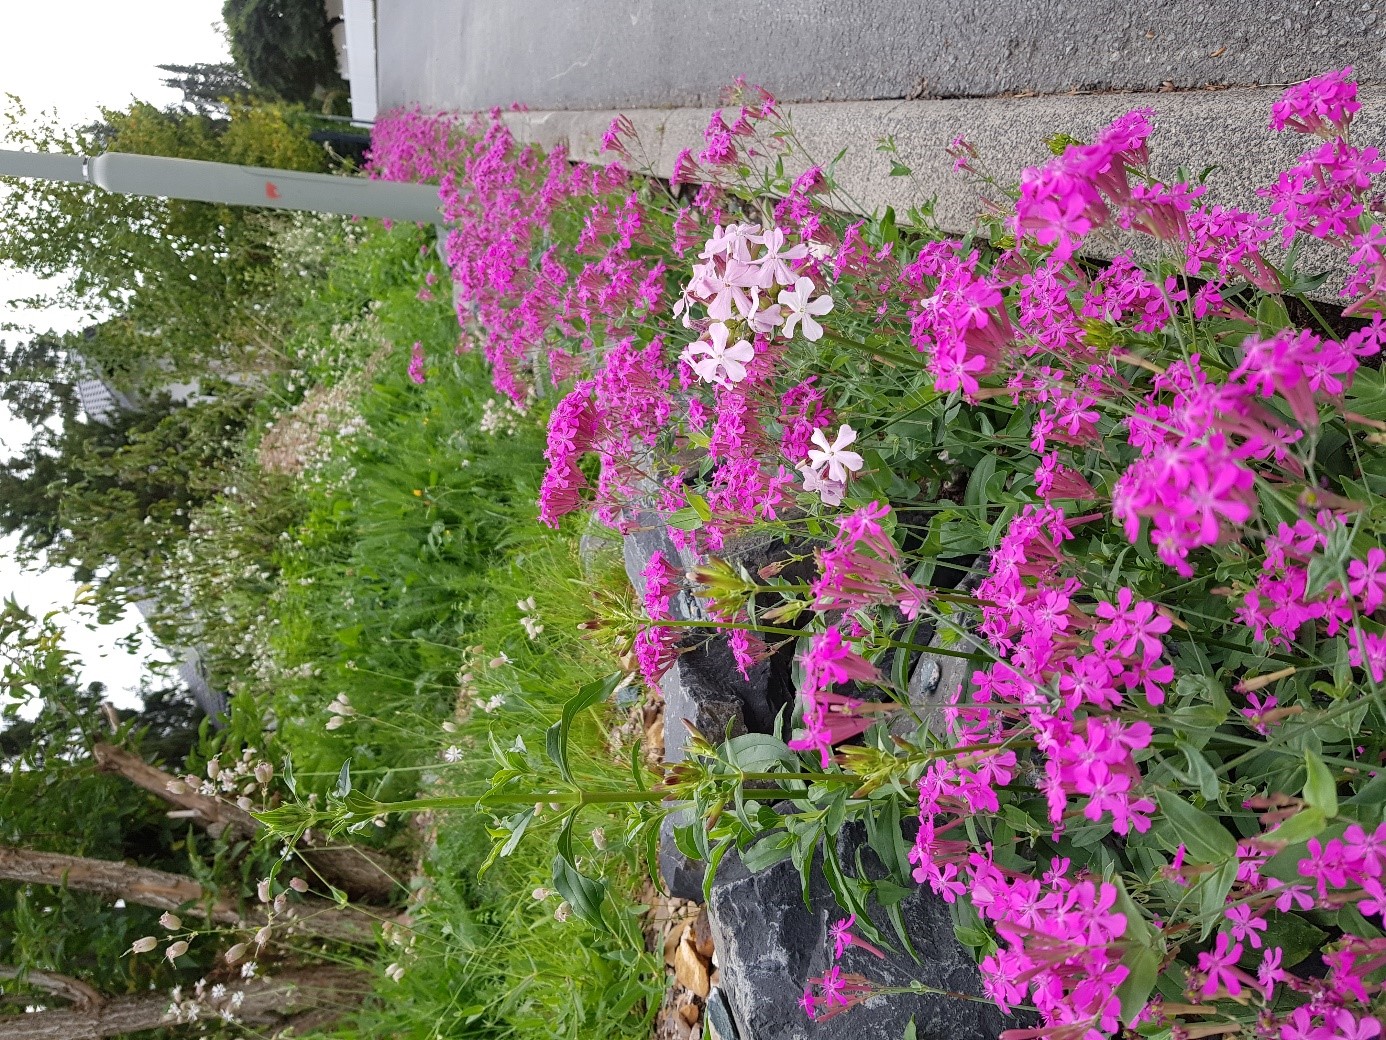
[
  {"x": 719, "y": 1017},
  {"x": 683, "y": 877},
  {"x": 599, "y": 549},
  {"x": 769, "y": 944}
]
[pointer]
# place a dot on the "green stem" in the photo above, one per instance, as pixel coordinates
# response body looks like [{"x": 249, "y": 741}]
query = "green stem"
[
  {"x": 773, "y": 631},
  {"x": 886, "y": 355}
]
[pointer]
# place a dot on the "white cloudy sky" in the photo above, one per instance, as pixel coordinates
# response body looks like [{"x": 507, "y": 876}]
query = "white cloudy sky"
[{"x": 74, "y": 57}]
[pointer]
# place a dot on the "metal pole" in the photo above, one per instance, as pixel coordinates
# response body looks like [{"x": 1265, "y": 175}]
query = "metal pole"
[{"x": 231, "y": 185}]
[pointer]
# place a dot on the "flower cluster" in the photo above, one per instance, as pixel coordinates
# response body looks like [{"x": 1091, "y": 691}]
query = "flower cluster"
[{"x": 1160, "y": 491}]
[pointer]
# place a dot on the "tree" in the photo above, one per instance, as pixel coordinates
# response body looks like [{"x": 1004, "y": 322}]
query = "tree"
[
  {"x": 306, "y": 998},
  {"x": 208, "y": 89},
  {"x": 284, "y": 47},
  {"x": 38, "y": 380},
  {"x": 178, "y": 287}
]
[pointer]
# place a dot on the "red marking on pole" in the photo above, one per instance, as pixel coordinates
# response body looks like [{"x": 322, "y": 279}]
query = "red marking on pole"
[{"x": 271, "y": 192}]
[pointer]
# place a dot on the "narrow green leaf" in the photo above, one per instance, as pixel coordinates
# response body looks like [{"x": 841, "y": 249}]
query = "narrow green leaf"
[
  {"x": 1203, "y": 837},
  {"x": 1320, "y": 789}
]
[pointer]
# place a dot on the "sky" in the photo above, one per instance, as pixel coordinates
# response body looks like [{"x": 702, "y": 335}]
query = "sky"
[{"x": 75, "y": 57}]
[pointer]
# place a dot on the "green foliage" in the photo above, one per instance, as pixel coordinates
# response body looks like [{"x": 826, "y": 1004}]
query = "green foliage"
[
  {"x": 177, "y": 286},
  {"x": 283, "y": 47},
  {"x": 54, "y": 799}
]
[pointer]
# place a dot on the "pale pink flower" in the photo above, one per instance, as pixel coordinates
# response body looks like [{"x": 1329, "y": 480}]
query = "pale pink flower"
[
  {"x": 800, "y": 309},
  {"x": 722, "y": 365},
  {"x": 835, "y": 456}
]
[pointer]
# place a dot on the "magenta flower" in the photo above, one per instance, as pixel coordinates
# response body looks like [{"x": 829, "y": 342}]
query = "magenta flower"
[
  {"x": 1367, "y": 579},
  {"x": 842, "y": 937},
  {"x": 1323, "y": 105},
  {"x": 1220, "y": 968},
  {"x": 416, "y": 364}
]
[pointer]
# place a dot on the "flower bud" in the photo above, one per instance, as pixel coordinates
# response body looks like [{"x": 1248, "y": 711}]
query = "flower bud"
[
  {"x": 262, "y": 936},
  {"x": 280, "y": 902},
  {"x": 176, "y": 787},
  {"x": 264, "y": 772},
  {"x": 298, "y": 884},
  {"x": 262, "y": 890},
  {"x": 336, "y": 722},
  {"x": 171, "y": 922},
  {"x": 144, "y": 945},
  {"x": 213, "y": 769},
  {"x": 236, "y": 952},
  {"x": 176, "y": 950},
  {"x": 564, "y": 911}
]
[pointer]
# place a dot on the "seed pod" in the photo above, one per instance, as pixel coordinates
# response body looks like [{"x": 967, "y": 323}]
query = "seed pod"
[
  {"x": 176, "y": 950},
  {"x": 171, "y": 921},
  {"x": 213, "y": 769},
  {"x": 236, "y": 952},
  {"x": 262, "y": 890},
  {"x": 262, "y": 936},
  {"x": 144, "y": 945},
  {"x": 264, "y": 772},
  {"x": 298, "y": 884}
]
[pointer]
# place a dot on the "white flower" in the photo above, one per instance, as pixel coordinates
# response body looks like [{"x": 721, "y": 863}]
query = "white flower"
[
  {"x": 829, "y": 491},
  {"x": 835, "y": 456},
  {"x": 723, "y": 365},
  {"x": 800, "y": 309},
  {"x": 452, "y": 754},
  {"x": 773, "y": 262},
  {"x": 248, "y": 970}
]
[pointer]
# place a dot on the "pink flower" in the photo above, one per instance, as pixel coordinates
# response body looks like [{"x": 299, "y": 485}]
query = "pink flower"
[
  {"x": 1220, "y": 968},
  {"x": 1323, "y": 105},
  {"x": 835, "y": 457},
  {"x": 801, "y": 310},
  {"x": 1367, "y": 580},
  {"x": 842, "y": 937},
  {"x": 416, "y": 364},
  {"x": 1367, "y": 650},
  {"x": 720, "y": 364},
  {"x": 1245, "y": 924}
]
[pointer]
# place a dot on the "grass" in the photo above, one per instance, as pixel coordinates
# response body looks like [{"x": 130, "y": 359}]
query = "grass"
[{"x": 398, "y": 586}]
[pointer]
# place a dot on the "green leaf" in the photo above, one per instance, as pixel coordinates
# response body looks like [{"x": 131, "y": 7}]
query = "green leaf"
[
  {"x": 1141, "y": 959},
  {"x": 685, "y": 519},
  {"x": 1320, "y": 789},
  {"x": 557, "y": 738},
  {"x": 1294, "y": 935},
  {"x": 584, "y": 894},
  {"x": 343, "y": 785},
  {"x": 699, "y": 505},
  {"x": 1203, "y": 837},
  {"x": 910, "y": 1032},
  {"x": 1212, "y": 890},
  {"x": 1302, "y": 826},
  {"x": 900, "y": 170}
]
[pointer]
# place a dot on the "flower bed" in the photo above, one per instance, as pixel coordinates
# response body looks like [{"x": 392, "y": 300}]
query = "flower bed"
[{"x": 1154, "y": 804}]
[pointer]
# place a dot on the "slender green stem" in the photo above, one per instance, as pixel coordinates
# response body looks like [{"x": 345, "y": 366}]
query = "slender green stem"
[
  {"x": 886, "y": 355},
  {"x": 774, "y": 631}
]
